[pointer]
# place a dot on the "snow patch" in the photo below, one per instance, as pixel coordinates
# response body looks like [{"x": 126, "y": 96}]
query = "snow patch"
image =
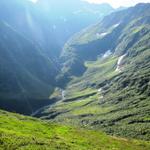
[
  {"x": 100, "y": 93},
  {"x": 101, "y": 34},
  {"x": 116, "y": 25},
  {"x": 119, "y": 63},
  {"x": 107, "y": 54},
  {"x": 63, "y": 94},
  {"x": 100, "y": 90}
]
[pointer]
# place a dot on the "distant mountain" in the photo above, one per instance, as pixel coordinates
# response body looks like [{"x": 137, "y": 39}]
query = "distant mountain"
[
  {"x": 70, "y": 16},
  {"x": 49, "y": 23}
]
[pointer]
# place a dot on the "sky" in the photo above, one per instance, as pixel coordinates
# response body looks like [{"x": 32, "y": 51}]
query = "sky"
[
  {"x": 34, "y": 1},
  {"x": 114, "y": 3},
  {"x": 118, "y": 3}
]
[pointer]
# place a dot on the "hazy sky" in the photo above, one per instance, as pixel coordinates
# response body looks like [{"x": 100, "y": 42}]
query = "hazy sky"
[
  {"x": 118, "y": 3},
  {"x": 34, "y": 1},
  {"x": 114, "y": 3}
]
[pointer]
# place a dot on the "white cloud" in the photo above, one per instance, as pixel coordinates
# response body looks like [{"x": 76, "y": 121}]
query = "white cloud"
[{"x": 118, "y": 3}]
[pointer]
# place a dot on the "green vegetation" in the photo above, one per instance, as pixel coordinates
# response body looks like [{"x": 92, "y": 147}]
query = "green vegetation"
[{"x": 26, "y": 133}]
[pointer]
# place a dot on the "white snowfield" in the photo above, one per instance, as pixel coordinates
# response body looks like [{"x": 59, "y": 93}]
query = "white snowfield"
[
  {"x": 116, "y": 25},
  {"x": 100, "y": 90},
  {"x": 63, "y": 94},
  {"x": 101, "y": 34},
  {"x": 107, "y": 54},
  {"x": 119, "y": 63}
]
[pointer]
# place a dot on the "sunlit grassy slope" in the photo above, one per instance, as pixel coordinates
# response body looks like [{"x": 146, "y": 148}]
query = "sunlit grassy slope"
[{"x": 25, "y": 133}]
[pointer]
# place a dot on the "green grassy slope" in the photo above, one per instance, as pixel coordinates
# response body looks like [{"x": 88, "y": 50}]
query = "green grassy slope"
[{"x": 26, "y": 133}]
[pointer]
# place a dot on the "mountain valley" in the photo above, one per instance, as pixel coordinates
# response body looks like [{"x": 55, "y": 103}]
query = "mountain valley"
[
  {"x": 81, "y": 76},
  {"x": 112, "y": 94}
]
